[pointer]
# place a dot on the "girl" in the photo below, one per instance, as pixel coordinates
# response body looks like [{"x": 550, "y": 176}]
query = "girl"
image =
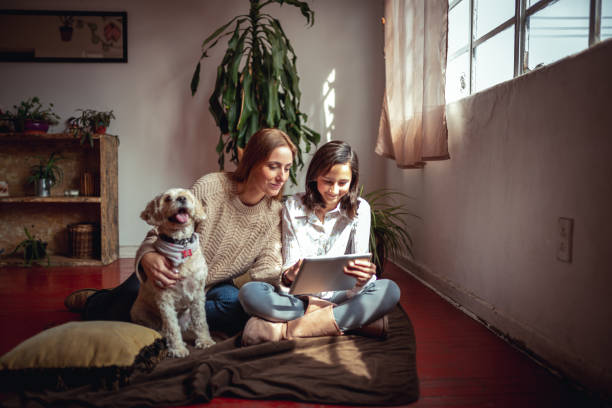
[
  {"x": 328, "y": 219},
  {"x": 240, "y": 235}
]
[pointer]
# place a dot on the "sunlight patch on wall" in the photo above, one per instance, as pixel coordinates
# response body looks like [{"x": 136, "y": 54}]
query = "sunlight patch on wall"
[{"x": 329, "y": 105}]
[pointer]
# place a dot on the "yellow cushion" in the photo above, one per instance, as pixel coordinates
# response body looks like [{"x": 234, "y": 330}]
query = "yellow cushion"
[{"x": 74, "y": 353}]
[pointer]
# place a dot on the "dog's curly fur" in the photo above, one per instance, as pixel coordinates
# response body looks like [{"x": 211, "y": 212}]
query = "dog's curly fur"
[{"x": 178, "y": 308}]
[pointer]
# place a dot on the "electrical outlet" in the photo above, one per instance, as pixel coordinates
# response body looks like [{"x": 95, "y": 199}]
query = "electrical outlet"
[{"x": 564, "y": 246}]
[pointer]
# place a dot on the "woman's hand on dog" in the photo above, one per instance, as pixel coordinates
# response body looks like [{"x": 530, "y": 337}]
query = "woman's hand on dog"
[
  {"x": 362, "y": 269},
  {"x": 159, "y": 269}
]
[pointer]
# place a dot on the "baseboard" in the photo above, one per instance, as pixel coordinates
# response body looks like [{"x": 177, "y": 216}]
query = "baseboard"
[
  {"x": 128, "y": 251},
  {"x": 568, "y": 367}
]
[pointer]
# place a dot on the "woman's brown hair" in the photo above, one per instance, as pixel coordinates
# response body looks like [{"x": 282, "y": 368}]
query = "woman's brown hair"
[
  {"x": 258, "y": 149},
  {"x": 328, "y": 155}
]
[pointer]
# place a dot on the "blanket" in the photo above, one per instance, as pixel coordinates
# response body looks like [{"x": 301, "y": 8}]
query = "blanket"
[{"x": 348, "y": 369}]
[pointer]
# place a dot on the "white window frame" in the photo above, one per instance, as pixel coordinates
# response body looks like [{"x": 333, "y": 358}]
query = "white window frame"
[{"x": 521, "y": 13}]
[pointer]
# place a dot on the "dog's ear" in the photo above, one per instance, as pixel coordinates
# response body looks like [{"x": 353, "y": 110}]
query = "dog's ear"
[
  {"x": 152, "y": 212},
  {"x": 198, "y": 211}
]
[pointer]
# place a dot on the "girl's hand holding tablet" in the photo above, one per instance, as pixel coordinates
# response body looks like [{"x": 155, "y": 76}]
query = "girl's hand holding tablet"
[{"x": 361, "y": 269}]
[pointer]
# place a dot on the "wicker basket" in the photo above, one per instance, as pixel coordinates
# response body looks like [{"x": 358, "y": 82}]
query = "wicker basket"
[{"x": 84, "y": 240}]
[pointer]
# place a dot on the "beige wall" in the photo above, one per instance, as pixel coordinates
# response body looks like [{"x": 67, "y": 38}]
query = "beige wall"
[
  {"x": 523, "y": 154},
  {"x": 167, "y": 137}
]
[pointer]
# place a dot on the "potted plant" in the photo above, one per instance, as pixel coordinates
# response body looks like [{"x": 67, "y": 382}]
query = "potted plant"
[
  {"x": 46, "y": 174},
  {"x": 89, "y": 123},
  {"x": 389, "y": 234},
  {"x": 6, "y": 122},
  {"x": 257, "y": 83},
  {"x": 34, "y": 249},
  {"x": 31, "y": 117}
]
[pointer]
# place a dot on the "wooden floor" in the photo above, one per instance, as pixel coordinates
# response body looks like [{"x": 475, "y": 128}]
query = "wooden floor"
[{"x": 460, "y": 363}]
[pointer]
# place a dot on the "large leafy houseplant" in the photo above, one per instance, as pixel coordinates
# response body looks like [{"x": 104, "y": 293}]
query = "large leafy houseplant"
[
  {"x": 257, "y": 83},
  {"x": 389, "y": 234}
]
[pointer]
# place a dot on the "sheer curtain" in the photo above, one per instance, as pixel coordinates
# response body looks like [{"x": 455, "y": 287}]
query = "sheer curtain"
[{"x": 413, "y": 119}]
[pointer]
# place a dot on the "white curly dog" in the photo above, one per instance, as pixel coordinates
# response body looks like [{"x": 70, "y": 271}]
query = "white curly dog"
[{"x": 177, "y": 309}]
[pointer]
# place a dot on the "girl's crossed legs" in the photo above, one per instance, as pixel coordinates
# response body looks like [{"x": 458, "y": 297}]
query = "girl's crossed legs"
[{"x": 376, "y": 300}]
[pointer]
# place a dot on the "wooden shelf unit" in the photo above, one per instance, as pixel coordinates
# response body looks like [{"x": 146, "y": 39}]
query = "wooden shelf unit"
[
  {"x": 54, "y": 199},
  {"x": 48, "y": 217}
]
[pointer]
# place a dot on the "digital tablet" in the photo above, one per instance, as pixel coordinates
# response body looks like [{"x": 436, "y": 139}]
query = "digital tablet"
[{"x": 324, "y": 273}]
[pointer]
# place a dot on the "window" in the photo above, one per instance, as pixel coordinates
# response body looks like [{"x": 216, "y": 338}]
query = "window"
[
  {"x": 556, "y": 31},
  {"x": 496, "y": 52},
  {"x": 606, "y": 19},
  {"x": 491, "y": 41}
]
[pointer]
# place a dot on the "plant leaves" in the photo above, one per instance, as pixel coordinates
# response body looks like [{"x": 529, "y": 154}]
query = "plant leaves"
[
  {"x": 257, "y": 83},
  {"x": 273, "y": 108},
  {"x": 195, "y": 80},
  {"x": 388, "y": 224},
  {"x": 246, "y": 108},
  {"x": 218, "y": 31},
  {"x": 215, "y": 107},
  {"x": 304, "y": 9}
]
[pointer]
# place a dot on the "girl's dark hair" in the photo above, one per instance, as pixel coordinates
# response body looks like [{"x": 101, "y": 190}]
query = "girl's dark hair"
[
  {"x": 258, "y": 149},
  {"x": 328, "y": 155}
]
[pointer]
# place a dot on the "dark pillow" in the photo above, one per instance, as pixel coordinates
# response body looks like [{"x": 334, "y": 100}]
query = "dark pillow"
[{"x": 100, "y": 353}]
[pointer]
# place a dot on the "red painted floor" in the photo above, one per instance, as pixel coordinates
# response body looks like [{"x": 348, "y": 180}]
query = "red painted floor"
[{"x": 460, "y": 363}]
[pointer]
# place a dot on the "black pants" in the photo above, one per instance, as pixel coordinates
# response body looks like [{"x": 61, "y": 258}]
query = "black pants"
[{"x": 223, "y": 309}]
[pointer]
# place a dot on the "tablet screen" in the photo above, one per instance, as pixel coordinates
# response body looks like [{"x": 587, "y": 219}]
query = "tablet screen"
[{"x": 324, "y": 273}]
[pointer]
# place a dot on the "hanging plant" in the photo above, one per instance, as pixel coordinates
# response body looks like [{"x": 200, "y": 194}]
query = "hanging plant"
[{"x": 257, "y": 83}]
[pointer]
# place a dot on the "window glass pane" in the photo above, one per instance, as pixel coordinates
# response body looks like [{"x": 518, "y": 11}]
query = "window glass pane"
[
  {"x": 557, "y": 31},
  {"x": 488, "y": 14},
  {"x": 457, "y": 78},
  {"x": 606, "y": 19},
  {"x": 494, "y": 60},
  {"x": 458, "y": 27}
]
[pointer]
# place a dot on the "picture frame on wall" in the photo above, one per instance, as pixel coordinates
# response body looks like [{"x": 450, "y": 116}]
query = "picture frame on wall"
[{"x": 63, "y": 36}]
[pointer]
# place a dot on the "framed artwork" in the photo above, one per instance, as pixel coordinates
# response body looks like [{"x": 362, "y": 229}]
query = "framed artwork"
[{"x": 63, "y": 36}]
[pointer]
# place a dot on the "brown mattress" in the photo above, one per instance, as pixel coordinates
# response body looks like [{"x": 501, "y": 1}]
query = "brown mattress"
[{"x": 350, "y": 369}]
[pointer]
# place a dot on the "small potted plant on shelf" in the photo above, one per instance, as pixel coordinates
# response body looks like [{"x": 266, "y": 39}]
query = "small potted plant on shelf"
[
  {"x": 6, "y": 122},
  {"x": 89, "y": 123},
  {"x": 34, "y": 249},
  {"x": 31, "y": 116},
  {"x": 46, "y": 174}
]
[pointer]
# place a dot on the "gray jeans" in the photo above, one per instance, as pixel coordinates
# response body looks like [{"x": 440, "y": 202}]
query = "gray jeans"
[{"x": 376, "y": 300}]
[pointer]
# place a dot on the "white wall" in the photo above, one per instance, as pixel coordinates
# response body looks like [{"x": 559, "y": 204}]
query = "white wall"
[
  {"x": 523, "y": 154},
  {"x": 167, "y": 138}
]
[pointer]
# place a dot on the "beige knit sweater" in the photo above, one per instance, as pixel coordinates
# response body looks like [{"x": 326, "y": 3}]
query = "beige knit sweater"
[{"x": 235, "y": 238}]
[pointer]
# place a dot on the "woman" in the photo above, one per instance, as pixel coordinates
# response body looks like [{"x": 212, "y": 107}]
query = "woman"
[
  {"x": 241, "y": 235},
  {"x": 328, "y": 219}
]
